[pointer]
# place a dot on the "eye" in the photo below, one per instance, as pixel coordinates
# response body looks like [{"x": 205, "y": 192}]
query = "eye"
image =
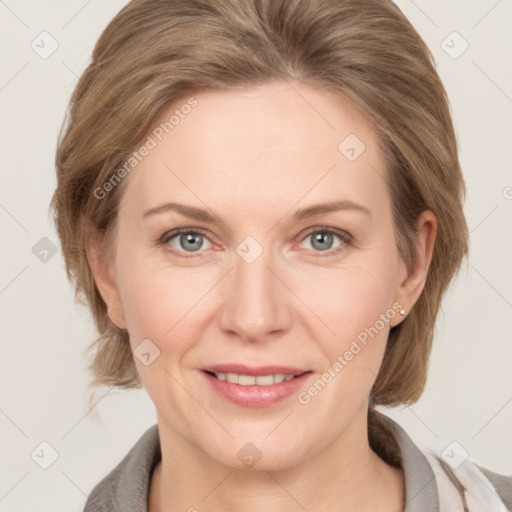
[
  {"x": 185, "y": 241},
  {"x": 322, "y": 240}
]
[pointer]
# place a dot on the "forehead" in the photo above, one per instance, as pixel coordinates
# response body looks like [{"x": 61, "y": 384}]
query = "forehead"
[{"x": 272, "y": 143}]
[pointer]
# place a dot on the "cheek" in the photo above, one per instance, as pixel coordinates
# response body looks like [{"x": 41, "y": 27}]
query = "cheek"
[
  {"x": 160, "y": 306},
  {"x": 352, "y": 297},
  {"x": 355, "y": 304},
  {"x": 170, "y": 306},
  {"x": 155, "y": 298}
]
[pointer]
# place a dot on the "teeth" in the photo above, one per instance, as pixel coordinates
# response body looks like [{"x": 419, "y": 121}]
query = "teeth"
[
  {"x": 232, "y": 377},
  {"x": 250, "y": 380}
]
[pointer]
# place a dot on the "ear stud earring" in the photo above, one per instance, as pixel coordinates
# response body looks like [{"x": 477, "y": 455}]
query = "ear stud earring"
[{"x": 402, "y": 312}]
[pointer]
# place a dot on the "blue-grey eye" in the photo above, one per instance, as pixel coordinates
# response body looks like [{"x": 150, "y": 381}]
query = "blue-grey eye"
[
  {"x": 322, "y": 240},
  {"x": 188, "y": 242}
]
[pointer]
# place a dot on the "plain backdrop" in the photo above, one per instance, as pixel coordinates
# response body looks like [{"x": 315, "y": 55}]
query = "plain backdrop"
[{"x": 468, "y": 398}]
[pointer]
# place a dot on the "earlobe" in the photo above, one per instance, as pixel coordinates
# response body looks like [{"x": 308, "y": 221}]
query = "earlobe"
[
  {"x": 103, "y": 277},
  {"x": 115, "y": 321},
  {"x": 412, "y": 284}
]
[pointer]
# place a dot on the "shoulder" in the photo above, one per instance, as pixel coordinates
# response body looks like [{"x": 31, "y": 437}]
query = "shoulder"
[
  {"x": 451, "y": 484},
  {"x": 126, "y": 487},
  {"x": 501, "y": 483},
  {"x": 475, "y": 485}
]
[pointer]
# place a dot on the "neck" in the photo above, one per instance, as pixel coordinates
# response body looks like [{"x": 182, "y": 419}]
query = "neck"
[{"x": 347, "y": 475}]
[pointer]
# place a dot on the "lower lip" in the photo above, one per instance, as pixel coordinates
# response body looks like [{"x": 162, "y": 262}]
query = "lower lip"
[{"x": 256, "y": 396}]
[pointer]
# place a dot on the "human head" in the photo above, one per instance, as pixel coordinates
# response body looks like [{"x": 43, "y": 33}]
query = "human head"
[{"x": 156, "y": 52}]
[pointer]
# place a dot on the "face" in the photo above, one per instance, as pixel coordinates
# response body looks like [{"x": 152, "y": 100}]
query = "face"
[{"x": 259, "y": 279}]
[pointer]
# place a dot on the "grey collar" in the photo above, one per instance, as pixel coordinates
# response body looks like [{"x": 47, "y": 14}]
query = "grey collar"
[{"x": 421, "y": 494}]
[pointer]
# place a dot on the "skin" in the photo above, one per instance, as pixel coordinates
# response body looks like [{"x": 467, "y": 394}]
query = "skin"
[{"x": 253, "y": 157}]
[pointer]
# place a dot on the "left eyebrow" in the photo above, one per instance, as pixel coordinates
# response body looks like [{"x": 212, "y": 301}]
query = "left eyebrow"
[
  {"x": 203, "y": 215},
  {"x": 318, "y": 209}
]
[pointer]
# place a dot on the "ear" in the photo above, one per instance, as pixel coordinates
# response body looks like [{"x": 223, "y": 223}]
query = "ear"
[
  {"x": 102, "y": 270},
  {"x": 412, "y": 281}
]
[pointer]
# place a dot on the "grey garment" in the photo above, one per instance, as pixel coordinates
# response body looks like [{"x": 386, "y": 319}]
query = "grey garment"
[
  {"x": 125, "y": 488},
  {"x": 502, "y": 484}
]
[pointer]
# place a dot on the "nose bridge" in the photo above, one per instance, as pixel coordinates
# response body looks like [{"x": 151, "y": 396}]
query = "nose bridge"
[{"x": 254, "y": 304}]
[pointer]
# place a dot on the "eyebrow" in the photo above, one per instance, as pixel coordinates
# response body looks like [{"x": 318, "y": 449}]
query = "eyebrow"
[{"x": 200, "y": 214}]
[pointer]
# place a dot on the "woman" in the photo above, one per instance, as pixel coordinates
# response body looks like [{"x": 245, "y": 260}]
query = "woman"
[{"x": 261, "y": 202}]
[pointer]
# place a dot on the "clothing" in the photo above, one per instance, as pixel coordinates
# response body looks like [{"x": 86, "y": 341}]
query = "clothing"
[{"x": 431, "y": 485}]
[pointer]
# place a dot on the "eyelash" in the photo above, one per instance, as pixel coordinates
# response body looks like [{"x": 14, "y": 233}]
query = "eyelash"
[{"x": 346, "y": 238}]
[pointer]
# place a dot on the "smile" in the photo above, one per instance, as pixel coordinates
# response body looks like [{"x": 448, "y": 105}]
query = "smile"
[{"x": 262, "y": 390}]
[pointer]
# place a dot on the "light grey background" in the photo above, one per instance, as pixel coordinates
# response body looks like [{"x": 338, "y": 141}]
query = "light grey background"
[{"x": 43, "y": 379}]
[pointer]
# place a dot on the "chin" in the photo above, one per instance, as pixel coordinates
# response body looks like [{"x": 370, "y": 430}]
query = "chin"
[{"x": 259, "y": 455}]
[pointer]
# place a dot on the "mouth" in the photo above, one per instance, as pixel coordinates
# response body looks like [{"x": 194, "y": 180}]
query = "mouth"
[
  {"x": 255, "y": 375},
  {"x": 256, "y": 386}
]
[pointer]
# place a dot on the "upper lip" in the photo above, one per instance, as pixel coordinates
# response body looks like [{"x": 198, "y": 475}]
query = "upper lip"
[{"x": 256, "y": 371}]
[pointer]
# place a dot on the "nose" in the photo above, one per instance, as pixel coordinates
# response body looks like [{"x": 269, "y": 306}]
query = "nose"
[{"x": 257, "y": 303}]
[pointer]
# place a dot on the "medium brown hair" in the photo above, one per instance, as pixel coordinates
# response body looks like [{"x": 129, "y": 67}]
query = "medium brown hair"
[{"x": 158, "y": 51}]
